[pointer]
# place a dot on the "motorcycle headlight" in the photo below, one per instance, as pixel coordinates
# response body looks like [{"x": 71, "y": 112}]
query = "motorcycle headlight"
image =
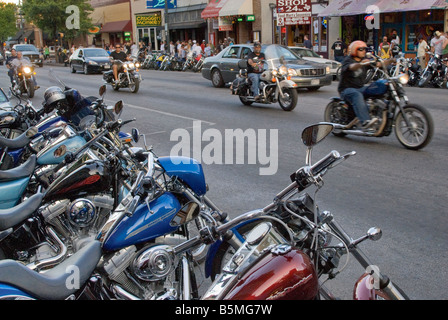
[
  {"x": 137, "y": 65},
  {"x": 404, "y": 78},
  {"x": 327, "y": 69},
  {"x": 131, "y": 66},
  {"x": 26, "y": 70},
  {"x": 283, "y": 70}
]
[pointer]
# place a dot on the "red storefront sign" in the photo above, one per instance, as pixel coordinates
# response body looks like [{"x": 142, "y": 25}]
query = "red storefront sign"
[{"x": 293, "y": 12}]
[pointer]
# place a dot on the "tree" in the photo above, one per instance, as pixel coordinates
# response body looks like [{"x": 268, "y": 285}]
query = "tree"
[
  {"x": 51, "y": 16},
  {"x": 7, "y": 20}
]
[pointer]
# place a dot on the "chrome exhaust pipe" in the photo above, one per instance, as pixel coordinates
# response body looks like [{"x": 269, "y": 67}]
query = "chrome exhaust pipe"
[{"x": 53, "y": 260}]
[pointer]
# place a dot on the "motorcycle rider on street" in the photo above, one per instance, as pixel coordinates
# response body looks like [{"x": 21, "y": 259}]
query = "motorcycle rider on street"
[
  {"x": 353, "y": 75},
  {"x": 21, "y": 61},
  {"x": 255, "y": 69},
  {"x": 119, "y": 57},
  {"x": 9, "y": 66}
]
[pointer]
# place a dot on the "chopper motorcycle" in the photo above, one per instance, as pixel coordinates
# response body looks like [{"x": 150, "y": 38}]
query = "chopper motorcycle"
[
  {"x": 412, "y": 123},
  {"x": 128, "y": 77},
  {"x": 23, "y": 80},
  {"x": 435, "y": 72},
  {"x": 275, "y": 86}
]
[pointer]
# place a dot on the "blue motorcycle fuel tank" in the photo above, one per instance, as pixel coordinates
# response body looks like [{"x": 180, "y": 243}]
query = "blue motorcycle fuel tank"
[
  {"x": 11, "y": 191},
  {"x": 49, "y": 155},
  {"x": 187, "y": 169},
  {"x": 145, "y": 224}
]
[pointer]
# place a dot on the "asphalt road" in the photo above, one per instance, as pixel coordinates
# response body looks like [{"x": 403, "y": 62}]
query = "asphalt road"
[{"x": 385, "y": 185}]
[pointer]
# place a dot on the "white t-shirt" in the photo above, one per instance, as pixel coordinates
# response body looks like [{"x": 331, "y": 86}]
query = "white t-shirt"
[{"x": 438, "y": 44}]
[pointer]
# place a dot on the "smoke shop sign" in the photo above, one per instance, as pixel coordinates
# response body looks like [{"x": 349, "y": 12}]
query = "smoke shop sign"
[{"x": 293, "y": 12}]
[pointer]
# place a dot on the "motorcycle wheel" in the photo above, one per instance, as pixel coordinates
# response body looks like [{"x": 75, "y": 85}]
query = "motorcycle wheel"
[
  {"x": 244, "y": 101},
  {"x": 425, "y": 79},
  {"x": 333, "y": 115},
  {"x": 421, "y": 131},
  {"x": 31, "y": 89},
  {"x": 134, "y": 86},
  {"x": 289, "y": 102}
]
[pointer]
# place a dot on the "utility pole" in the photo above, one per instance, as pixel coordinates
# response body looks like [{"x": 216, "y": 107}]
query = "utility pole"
[{"x": 167, "y": 31}]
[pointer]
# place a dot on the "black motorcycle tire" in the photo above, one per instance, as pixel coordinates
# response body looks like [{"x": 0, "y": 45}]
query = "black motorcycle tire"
[
  {"x": 30, "y": 88},
  {"x": 423, "y": 126},
  {"x": 331, "y": 116},
  {"x": 425, "y": 79},
  {"x": 136, "y": 86},
  {"x": 244, "y": 101},
  {"x": 294, "y": 97}
]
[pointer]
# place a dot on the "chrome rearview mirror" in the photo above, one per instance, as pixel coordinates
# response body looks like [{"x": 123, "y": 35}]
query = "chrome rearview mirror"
[{"x": 312, "y": 135}]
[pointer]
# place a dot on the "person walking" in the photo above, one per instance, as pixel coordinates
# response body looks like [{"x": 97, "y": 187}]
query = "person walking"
[
  {"x": 307, "y": 43},
  {"x": 421, "y": 51},
  {"x": 339, "y": 50}
]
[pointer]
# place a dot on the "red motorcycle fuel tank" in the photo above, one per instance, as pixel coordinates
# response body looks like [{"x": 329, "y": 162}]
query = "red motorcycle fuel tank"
[{"x": 288, "y": 276}]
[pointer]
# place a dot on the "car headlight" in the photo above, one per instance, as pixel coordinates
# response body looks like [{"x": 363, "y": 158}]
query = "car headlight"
[
  {"x": 292, "y": 72},
  {"x": 404, "y": 78},
  {"x": 327, "y": 70},
  {"x": 26, "y": 70}
]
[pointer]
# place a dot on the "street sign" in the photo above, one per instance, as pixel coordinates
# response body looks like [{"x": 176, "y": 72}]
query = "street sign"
[
  {"x": 160, "y": 4},
  {"x": 293, "y": 12}
]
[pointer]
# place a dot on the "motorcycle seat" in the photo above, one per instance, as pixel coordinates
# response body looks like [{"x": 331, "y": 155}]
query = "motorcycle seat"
[
  {"x": 11, "y": 217},
  {"x": 24, "y": 170},
  {"x": 19, "y": 142},
  {"x": 57, "y": 283}
]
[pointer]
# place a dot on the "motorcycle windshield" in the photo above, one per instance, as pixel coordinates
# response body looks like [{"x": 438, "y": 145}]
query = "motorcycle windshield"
[{"x": 277, "y": 55}]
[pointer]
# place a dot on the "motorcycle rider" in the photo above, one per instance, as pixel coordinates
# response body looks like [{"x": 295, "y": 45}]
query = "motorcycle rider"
[
  {"x": 255, "y": 68},
  {"x": 119, "y": 57},
  {"x": 21, "y": 61},
  {"x": 351, "y": 86},
  {"x": 8, "y": 65}
]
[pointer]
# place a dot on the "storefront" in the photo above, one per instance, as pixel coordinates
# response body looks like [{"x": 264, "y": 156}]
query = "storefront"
[
  {"x": 148, "y": 28},
  {"x": 185, "y": 23},
  {"x": 236, "y": 19}
]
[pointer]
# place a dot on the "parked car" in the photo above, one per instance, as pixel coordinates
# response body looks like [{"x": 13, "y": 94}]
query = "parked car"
[
  {"x": 29, "y": 51},
  {"x": 5, "y": 104},
  {"x": 90, "y": 60},
  {"x": 223, "y": 68},
  {"x": 310, "y": 55}
]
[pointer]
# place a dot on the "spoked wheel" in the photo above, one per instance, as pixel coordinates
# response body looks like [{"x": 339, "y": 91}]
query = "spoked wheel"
[
  {"x": 289, "y": 100},
  {"x": 134, "y": 86},
  {"x": 244, "y": 101},
  {"x": 420, "y": 130}
]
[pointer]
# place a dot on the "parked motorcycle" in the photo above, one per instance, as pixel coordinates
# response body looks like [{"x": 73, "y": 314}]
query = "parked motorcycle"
[
  {"x": 275, "y": 86},
  {"x": 435, "y": 72},
  {"x": 23, "y": 80},
  {"x": 128, "y": 77},
  {"x": 412, "y": 123},
  {"x": 199, "y": 62},
  {"x": 414, "y": 71},
  {"x": 290, "y": 245},
  {"x": 189, "y": 61}
]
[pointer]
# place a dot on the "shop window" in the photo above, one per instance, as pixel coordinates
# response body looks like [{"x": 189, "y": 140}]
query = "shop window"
[{"x": 393, "y": 17}]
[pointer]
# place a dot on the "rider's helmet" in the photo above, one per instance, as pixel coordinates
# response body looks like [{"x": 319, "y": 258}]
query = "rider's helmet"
[{"x": 354, "y": 46}]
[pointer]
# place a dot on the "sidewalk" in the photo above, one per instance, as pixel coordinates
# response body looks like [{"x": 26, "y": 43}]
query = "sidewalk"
[{"x": 53, "y": 63}]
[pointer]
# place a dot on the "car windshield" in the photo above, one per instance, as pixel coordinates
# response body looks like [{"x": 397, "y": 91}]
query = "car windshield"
[
  {"x": 95, "y": 53},
  {"x": 26, "y": 48}
]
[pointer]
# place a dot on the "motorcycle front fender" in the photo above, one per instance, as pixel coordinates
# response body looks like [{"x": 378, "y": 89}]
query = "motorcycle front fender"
[{"x": 287, "y": 84}]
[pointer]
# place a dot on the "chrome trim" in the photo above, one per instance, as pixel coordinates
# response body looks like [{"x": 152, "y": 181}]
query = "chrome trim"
[{"x": 53, "y": 260}]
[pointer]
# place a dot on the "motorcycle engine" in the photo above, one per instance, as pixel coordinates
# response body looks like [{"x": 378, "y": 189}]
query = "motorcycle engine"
[
  {"x": 147, "y": 273},
  {"x": 78, "y": 221}
]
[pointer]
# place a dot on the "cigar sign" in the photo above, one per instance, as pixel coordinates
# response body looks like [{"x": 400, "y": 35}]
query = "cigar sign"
[{"x": 293, "y": 12}]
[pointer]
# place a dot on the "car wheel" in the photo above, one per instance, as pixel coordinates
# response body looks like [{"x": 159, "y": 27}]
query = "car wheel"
[
  {"x": 86, "y": 69},
  {"x": 217, "y": 80},
  {"x": 72, "y": 67},
  {"x": 313, "y": 88}
]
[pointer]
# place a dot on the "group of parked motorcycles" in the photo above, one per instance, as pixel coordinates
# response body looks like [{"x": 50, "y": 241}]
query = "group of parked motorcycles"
[
  {"x": 165, "y": 62},
  {"x": 85, "y": 213}
]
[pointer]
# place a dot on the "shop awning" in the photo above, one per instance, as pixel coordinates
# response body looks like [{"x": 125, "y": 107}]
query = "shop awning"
[
  {"x": 117, "y": 26},
  {"x": 346, "y": 7},
  {"x": 28, "y": 35},
  {"x": 237, "y": 8},
  {"x": 17, "y": 36},
  {"x": 212, "y": 9},
  {"x": 355, "y": 7}
]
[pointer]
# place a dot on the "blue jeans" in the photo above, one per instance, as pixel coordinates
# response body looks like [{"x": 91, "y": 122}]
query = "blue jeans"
[
  {"x": 255, "y": 79},
  {"x": 355, "y": 97}
]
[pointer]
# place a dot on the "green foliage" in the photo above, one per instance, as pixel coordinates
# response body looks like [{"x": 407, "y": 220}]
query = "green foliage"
[
  {"x": 7, "y": 20},
  {"x": 51, "y": 16}
]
